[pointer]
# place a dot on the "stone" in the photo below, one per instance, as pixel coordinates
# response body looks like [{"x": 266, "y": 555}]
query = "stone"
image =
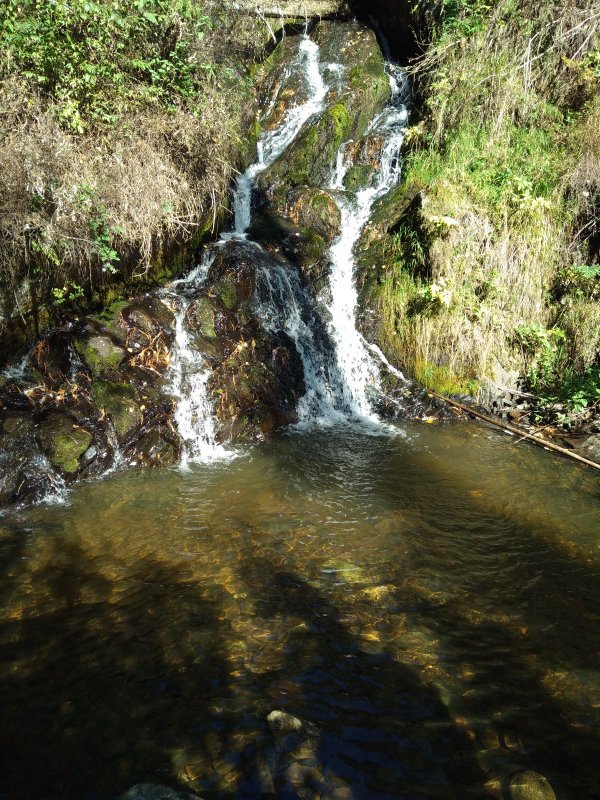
[
  {"x": 99, "y": 354},
  {"x": 117, "y": 400},
  {"x": 63, "y": 442},
  {"x": 345, "y": 570},
  {"x": 152, "y": 791},
  {"x": 280, "y": 722},
  {"x": 529, "y": 785},
  {"x": 590, "y": 447},
  {"x": 153, "y": 449}
]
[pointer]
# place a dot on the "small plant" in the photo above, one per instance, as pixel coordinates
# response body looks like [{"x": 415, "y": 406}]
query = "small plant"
[
  {"x": 70, "y": 293},
  {"x": 543, "y": 348},
  {"x": 101, "y": 232},
  {"x": 431, "y": 298}
]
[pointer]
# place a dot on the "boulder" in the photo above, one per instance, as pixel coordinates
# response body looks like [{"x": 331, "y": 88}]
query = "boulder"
[
  {"x": 117, "y": 400},
  {"x": 64, "y": 442},
  {"x": 99, "y": 353}
]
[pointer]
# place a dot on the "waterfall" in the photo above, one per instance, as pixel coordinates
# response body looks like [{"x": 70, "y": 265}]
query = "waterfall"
[
  {"x": 272, "y": 144},
  {"x": 353, "y": 354},
  {"x": 189, "y": 372},
  {"x": 340, "y": 368}
]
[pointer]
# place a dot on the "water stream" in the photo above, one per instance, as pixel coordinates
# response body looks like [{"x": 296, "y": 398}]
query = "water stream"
[{"x": 424, "y": 605}]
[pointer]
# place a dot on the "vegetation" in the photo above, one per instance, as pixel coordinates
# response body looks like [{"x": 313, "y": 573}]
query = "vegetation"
[
  {"x": 493, "y": 270},
  {"x": 119, "y": 132}
]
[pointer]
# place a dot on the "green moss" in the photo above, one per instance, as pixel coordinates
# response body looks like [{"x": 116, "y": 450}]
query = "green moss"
[
  {"x": 67, "y": 448},
  {"x": 227, "y": 291},
  {"x": 205, "y": 318},
  {"x": 359, "y": 177},
  {"x": 99, "y": 354},
  {"x": 443, "y": 381},
  {"x": 341, "y": 119},
  {"x": 301, "y": 158},
  {"x": 104, "y": 392},
  {"x": 117, "y": 400}
]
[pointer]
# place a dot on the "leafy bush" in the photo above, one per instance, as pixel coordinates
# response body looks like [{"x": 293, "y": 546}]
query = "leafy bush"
[
  {"x": 95, "y": 57},
  {"x": 122, "y": 124}
]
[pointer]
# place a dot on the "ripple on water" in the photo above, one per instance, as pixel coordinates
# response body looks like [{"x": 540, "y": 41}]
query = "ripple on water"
[{"x": 426, "y": 606}]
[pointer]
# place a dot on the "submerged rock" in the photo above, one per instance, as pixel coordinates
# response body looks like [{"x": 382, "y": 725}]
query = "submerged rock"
[
  {"x": 530, "y": 785},
  {"x": 152, "y": 791},
  {"x": 281, "y": 722}
]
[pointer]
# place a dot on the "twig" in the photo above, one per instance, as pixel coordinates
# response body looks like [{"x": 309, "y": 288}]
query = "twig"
[{"x": 507, "y": 428}]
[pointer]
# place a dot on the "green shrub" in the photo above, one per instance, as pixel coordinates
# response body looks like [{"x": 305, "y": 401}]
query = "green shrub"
[{"x": 94, "y": 57}]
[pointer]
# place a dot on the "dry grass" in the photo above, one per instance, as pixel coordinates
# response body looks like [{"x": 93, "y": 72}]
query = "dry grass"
[
  {"x": 511, "y": 163},
  {"x": 155, "y": 177}
]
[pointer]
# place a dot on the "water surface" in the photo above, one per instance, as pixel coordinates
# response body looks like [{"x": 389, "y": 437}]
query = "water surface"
[{"x": 427, "y": 603}]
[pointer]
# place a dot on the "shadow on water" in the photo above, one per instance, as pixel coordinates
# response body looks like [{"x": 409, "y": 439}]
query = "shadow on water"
[
  {"x": 103, "y": 684},
  {"x": 475, "y": 662},
  {"x": 375, "y": 730},
  {"x": 535, "y": 677}
]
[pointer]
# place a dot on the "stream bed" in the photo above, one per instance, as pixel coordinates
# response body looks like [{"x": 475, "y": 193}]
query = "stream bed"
[{"x": 426, "y": 604}]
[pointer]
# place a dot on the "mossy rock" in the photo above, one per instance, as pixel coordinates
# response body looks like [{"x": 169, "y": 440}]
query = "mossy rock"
[
  {"x": 227, "y": 292},
  {"x": 362, "y": 92},
  {"x": 63, "y": 442},
  {"x": 359, "y": 177},
  {"x": 201, "y": 317},
  {"x": 99, "y": 354},
  {"x": 117, "y": 399}
]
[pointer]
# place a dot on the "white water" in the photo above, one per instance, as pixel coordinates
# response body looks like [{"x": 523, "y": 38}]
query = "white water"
[
  {"x": 354, "y": 360},
  {"x": 272, "y": 144},
  {"x": 190, "y": 374},
  {"x": 339, "y": 369}
]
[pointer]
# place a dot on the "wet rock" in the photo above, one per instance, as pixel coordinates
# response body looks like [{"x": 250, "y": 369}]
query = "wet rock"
[
  {"x": 100, "y": 354},
  {"x": 117, "y": 400},
  {"x": 157, "y": 447},
  {"x": 530, "y": 785},
  {"x": 152, "y": 791},
  {"x": 590, "y": 448},
  {"x": 64, "y": 442},
  {"x": 18, "y": 449},
  {"x": 358, "y": 93},
  {"x": 52, "y": 357},
  {"x": 343, "y": 570},
  {"x": 148, "y": 315},
  {"x": 13, "y": 398},
  {"x": 257, "y": 375},
  {"x": 365, "y": 155},
  {"x": 201, "y": 317},
  {"x": 281, "y": 722},
  {"x": 283, "y": 87}
]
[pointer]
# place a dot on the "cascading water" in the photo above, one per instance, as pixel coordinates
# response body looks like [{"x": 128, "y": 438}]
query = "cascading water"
[
  {"x": 340, "y": 367},
  {"x": 353, "y": 354},
  {"x": 273, "y": 143},
  {"x": 190, "y": 373}
]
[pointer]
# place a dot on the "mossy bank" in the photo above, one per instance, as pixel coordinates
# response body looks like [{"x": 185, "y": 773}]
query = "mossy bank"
[{"x": 482, "y": 266}]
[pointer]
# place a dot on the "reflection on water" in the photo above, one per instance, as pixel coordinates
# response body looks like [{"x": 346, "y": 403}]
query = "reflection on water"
[{"x": 427, "y": 605}]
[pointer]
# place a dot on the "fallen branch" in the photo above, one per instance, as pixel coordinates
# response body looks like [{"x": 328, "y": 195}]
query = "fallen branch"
[{"x": 507, "y": 428}]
